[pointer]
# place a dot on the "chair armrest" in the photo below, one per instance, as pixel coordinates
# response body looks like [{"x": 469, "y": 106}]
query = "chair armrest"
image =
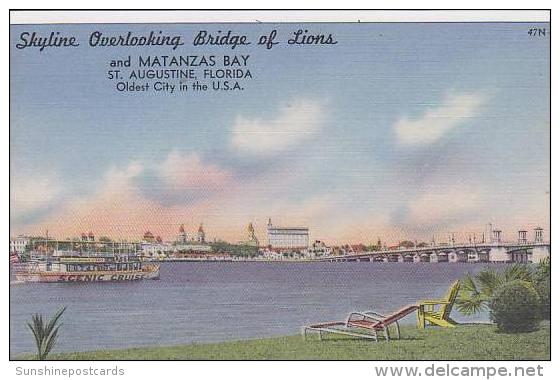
[
  {"x": 433, "y": 302},
  {"x": 371, "y": 312},
  {"x": 363, "y": 315}
]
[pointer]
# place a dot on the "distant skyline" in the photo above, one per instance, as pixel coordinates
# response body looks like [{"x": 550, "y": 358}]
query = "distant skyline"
[{"x": 399, "y": 131}]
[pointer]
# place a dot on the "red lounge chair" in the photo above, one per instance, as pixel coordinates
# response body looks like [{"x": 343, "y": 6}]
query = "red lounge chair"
[{"x": 364, "y": 324}]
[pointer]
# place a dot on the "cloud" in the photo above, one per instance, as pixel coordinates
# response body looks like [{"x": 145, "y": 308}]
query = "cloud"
[
  {"x": 117, "y": 178},
  {"x": 123, "y": 203},
  {"x": 116, "y": 208},
  {"x": 447, "y": 205},
  {"x": 187, "y": 171},
  {"x": 293, "y": 124},
  {"x": 436, "y": 122},
  {"x": 30, "y": 194},
  {"x": 183, "y": 178}
]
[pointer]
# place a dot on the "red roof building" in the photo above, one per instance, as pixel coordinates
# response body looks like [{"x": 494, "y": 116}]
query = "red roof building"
[{"x": 148, "y": 236}]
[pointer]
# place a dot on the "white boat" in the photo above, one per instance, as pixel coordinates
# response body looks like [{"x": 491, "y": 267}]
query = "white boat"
[{"x": 85, "y": 262}]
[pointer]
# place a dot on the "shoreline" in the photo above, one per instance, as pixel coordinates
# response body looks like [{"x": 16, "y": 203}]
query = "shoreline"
[
  {"x": 324, "y": 261},
  {"x": 415, "y": 344}
]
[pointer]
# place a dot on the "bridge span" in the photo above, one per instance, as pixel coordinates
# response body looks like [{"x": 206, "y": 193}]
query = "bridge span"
[{"x": 458, "y": 253}]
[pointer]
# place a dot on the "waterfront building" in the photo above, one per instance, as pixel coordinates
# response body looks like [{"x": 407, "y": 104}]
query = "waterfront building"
[
  {"x": 358, "y": 248},
  {"x": 155, "y": 249},
  {"x": 20, "y": 244},
  {"x": 184, "y": 244},
  {"x": 251, "y": 237},
  {"x": 268, "y": 254},
  {"x": 182, "y": 238},
  {"x": 201, "y": 236},
  {"x": 148, "y": 237},
  {"x": 318, "y": 249},
  {"x": 191, "y": 247},
  {"x": 287, "y": 238},
  {"x": 88, "y": 237}
]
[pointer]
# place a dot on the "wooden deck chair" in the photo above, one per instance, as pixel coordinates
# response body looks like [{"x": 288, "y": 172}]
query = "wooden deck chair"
[
  {"x": 363, "y": 324},
  {"x": 436, "y": 312}
]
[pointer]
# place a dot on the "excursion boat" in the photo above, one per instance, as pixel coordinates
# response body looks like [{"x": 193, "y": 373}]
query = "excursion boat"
[
  {"x": 14, "y": 258},
  {"x": 85, "y": 262}
]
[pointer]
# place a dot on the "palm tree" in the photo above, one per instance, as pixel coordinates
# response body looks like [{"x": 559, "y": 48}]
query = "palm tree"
[
  {"x": 45, "y": 334},
  {"x": 477, "y": 291}
]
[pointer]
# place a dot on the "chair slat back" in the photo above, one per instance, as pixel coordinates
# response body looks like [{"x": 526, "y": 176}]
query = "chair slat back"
[
  {"x": 450, "y": 298},
  {"x": 399, "y": 314}
]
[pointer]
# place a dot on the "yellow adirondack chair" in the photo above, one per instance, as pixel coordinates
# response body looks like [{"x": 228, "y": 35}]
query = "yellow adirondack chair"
[{"x": 436, "y": 312}]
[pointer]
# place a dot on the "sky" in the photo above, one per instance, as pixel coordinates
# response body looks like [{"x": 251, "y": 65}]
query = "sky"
[{"x": 399, "y": 131}]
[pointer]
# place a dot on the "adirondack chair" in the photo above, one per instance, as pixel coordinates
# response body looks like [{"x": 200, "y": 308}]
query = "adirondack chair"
[
  {"x": 364, "y": 324},
  {"x": 436, "y": 312}
]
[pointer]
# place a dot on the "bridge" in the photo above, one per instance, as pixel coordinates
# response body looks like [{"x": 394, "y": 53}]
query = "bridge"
[{"x": 498, "y": 252}]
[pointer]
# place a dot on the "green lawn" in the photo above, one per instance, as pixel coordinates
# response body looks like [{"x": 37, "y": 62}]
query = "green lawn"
[{"x": 466, "y": 342}]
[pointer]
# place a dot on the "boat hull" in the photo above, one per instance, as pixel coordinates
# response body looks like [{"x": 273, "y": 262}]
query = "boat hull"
[{"x": 151, "y": 273}]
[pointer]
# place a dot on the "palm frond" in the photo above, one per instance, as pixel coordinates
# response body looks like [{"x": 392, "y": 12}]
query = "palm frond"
[
  {"x": 51, "y": 341},
  {"x": 543, "y": 270},
  {"x": 518, "y": 272},
  {"x": 35, "y": 332},
  {"x": 488, "y": 280},
  {"x": 468, "y": 286},
  {"x": 471, "y": 305},
  {"x": 54, "y": 320},
  {"x": 45, "y": 334}
]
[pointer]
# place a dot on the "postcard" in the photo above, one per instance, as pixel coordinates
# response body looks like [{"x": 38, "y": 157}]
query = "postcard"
[{"x": 280, "y": 185}]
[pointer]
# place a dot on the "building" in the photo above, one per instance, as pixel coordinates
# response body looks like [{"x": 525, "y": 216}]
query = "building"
[
  {"x": 185, "y": 244},
  {"x": 287, "y": 238},
  {"x": 182, "y": 238},
  {"x": 156, "y": 249},
  {"x": 267, "y": 254},
  {"x": 190, "y": 247},
  {"x": 201, "y": 235},
  {"x": 88, "y": 237},
  {"x": 318, "y": 249},
  {"x": 251, "y": 237},
  {"x": 20, "y": 244},
  {"x": 148, "y": 237}
]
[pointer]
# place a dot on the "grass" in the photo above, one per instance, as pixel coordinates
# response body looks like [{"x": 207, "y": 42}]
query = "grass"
[{"x": 465, "y": 342}]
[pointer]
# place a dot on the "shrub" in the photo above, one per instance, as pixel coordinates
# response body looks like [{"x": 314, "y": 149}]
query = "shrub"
[
  {"x": 542, "y": 286},
  {"x": 543, "y": 289},
  {"x": 515, "y": 307}
]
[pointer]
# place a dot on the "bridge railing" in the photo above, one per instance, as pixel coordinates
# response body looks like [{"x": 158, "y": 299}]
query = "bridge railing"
[{"x": 454, "y": 247}]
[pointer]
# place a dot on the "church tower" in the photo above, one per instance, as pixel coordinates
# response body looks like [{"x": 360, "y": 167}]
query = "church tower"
[
  {"x": 201, "y": 236},
  {"x": 182, "y": 237},
  {"x": 251, "y": 237}
]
